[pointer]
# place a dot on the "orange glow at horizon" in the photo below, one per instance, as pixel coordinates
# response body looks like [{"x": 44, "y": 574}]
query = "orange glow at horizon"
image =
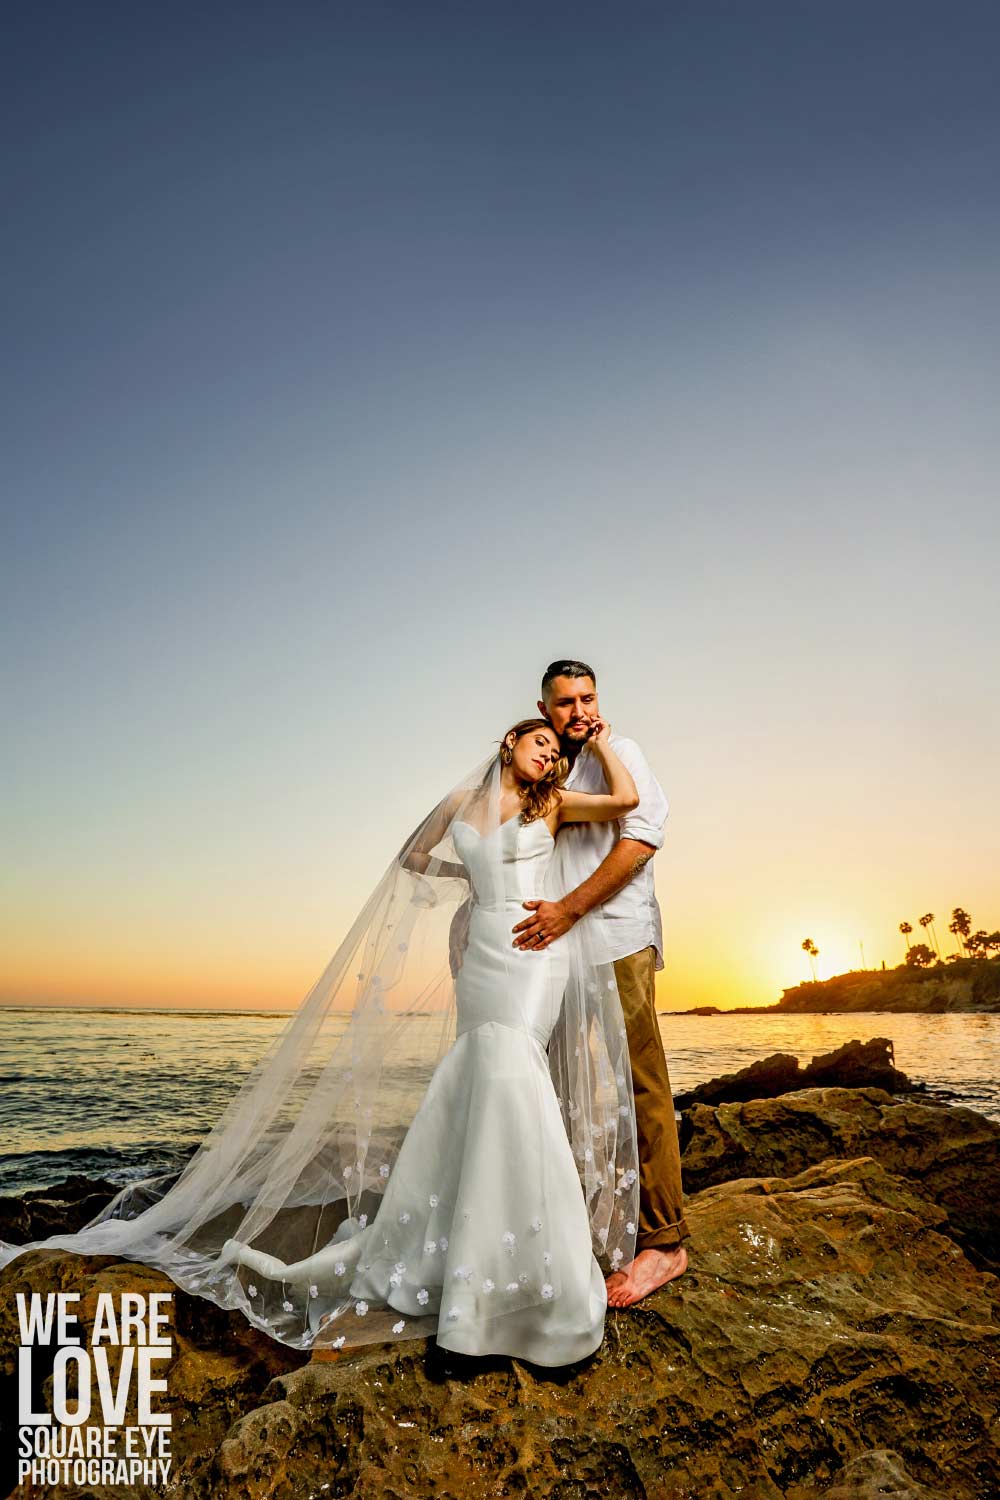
[
  {"x": 262, "y": 982},
  {"x": 738, "y": 896}
]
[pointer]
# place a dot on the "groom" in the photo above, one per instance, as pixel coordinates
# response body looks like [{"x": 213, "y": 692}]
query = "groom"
[{"x": 622, "y": 881}]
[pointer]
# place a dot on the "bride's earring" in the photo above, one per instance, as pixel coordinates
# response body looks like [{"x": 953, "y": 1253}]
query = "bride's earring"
[{"x": 506, "y": 754}]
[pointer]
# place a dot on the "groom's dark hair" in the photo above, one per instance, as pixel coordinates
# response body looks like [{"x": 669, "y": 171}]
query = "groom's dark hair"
[{"x": 566, "y": 669}]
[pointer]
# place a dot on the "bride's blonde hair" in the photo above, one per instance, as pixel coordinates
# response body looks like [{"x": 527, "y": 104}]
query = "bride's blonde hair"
[{"x": 537, "y": 797}]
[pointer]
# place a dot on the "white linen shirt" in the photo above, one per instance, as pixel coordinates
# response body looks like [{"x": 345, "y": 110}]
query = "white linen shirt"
[{"x": 632, "y": 914}]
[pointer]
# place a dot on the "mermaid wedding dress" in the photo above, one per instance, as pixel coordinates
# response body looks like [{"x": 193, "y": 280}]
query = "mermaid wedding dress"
[
  {"x": 483, "y": 1224},
  {"x": 433, "y": 1145}
]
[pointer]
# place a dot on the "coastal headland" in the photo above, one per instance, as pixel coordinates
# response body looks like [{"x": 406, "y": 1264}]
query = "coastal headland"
[{"x": 963, "y": 985}]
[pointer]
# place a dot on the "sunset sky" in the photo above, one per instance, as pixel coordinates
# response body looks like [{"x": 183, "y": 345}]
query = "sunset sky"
[{"x": 359, "y": 360}]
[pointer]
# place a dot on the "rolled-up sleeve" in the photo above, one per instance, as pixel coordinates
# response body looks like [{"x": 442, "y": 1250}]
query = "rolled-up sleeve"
[{"x": 646, "y": 822}]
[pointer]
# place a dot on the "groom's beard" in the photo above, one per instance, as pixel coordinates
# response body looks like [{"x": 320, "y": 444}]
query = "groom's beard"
[{"x": 570, "y": 748}]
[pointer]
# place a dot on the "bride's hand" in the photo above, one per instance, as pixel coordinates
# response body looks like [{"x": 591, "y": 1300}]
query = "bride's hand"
[{"x": 600, "y": 731}]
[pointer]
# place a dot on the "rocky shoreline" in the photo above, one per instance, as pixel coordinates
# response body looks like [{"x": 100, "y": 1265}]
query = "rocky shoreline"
[
  {"x": 963, "y": 986},
  {"x": 837, "y": 1333}
]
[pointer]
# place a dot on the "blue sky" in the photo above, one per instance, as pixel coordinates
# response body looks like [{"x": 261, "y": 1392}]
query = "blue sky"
[{"x": 361, "y": 359}]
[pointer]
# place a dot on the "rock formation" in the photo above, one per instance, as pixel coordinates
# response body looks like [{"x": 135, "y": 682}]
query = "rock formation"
[
  {"x": 832, "y": 1339},
  {"x": 854, "y": 1065}
]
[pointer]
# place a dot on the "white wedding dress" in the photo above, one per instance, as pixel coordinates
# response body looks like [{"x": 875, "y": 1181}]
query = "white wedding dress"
[{"x": 483, "y": 1222}]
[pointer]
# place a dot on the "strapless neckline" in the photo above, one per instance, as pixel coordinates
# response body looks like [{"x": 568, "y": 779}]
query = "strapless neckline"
[{"x": 499, "y": 826}]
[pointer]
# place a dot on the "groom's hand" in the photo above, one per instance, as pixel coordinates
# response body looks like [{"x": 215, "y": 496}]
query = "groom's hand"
[{"x": 549, "y": 920}]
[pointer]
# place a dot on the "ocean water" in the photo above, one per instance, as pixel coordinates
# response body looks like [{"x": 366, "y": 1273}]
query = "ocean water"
[{"x": 123, "y": 1094}]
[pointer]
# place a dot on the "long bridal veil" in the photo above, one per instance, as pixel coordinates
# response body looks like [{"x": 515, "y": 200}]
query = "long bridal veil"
[{"x": 302, "y": 1159}]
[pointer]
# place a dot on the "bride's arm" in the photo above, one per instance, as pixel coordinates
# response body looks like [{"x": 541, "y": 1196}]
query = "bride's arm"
[
  {"x": 601, "y": 807},
  {"x": 418, "y": 857}
]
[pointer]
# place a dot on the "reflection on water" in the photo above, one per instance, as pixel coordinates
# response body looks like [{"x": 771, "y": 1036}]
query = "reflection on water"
[{"x": 124, "y": 1093}]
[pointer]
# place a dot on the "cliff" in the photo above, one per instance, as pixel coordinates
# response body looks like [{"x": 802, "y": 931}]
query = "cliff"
[{"x": 967, "y": 984}]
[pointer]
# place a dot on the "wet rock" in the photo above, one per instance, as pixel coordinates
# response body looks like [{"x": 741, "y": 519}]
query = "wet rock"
[
  {"x": 219, "y": 1368},
  {"x": 879, "y": 1475},
  {"x": 952, "y": 1153},
  {"x": 824, "y": 1318},
  {"x": 854, "y": 1065},
  {"x": 830, "y": 1339},
  {"x": 60, "y": 1209}
]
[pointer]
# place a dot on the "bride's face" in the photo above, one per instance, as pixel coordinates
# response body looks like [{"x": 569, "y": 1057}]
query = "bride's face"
[{"x": 535, "y": 753}]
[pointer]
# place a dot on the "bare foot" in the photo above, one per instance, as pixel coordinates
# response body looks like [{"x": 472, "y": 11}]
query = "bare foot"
[
  {"x": 615, "y": 1282},
  {"x": 650, "y": 1269}
]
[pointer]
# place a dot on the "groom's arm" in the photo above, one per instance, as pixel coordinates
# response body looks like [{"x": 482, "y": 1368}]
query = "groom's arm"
[
  {"x": 641, "y": 836},
  {"x": 616, "y": 869},
  {"x": 550, "y": 919}
]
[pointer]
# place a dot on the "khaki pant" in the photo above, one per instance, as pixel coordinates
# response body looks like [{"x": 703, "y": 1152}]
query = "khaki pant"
[{"x": 661, "y": 1199}]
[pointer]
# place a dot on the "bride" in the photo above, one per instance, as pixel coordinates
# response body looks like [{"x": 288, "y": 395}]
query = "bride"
[{"x": 442, "y": 1140}]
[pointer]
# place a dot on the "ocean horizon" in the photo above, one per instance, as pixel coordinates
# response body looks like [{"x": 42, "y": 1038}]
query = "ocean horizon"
[{"x": 128, "y": 1091}]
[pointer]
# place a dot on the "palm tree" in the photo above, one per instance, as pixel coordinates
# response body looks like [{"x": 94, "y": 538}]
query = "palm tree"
[
  {"x": 920, "y": 956},
  {"x": 927, "y": 920},
  {"x": 960, "y": 926},
  {"x": 906, "y": 929},
  {"x": 978, "y": 943},
  {"x": 810, "y": 947}
]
